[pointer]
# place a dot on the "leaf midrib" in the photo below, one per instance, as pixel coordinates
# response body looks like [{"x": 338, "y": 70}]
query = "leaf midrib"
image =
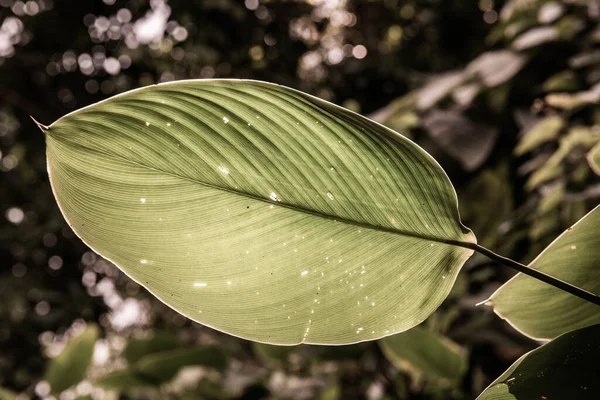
[{"x": 451, "y": 242}]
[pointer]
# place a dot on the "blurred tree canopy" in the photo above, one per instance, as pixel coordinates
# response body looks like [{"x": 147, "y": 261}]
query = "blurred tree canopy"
[{"x": 505, "y": 94}]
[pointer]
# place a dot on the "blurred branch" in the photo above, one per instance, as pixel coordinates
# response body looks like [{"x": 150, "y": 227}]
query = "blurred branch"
[{"x": 592, "y": 192}]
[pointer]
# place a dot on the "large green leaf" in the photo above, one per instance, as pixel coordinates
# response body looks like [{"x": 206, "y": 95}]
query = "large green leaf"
[
  {"x": 261, "y": 211},
  {"x": 426, "y": 353},
  {"x": 542, "y": 311},
  {"x": 565, "y": 368},
  {"x": 70, "y": 366}
]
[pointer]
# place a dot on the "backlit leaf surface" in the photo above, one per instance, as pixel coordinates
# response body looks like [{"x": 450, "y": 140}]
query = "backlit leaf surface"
[{"x": 261, "y": 211}]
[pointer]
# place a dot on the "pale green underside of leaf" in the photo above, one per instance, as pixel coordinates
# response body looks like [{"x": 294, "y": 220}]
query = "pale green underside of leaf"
[
  {"x": 426, "y": 353},
  {"x": 565, "y": 368},
  {"x": 261, "y": 211},
  {"x": 542, "y": 311}
]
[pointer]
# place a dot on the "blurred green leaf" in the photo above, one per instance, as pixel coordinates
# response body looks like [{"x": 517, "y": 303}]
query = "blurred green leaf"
[
  {"x": 563, "y": 81},
  {"x": 7, "y": 394},
  {"x": 207, "y": 390},
  {"x": 163, "y": 366},
  {"x": 430, "y": 354},
  {"x": 593, "y": 158},
  {"x": 399, "y": 115},
  {"x": 541, "y": 311},
  {"x": 578, "y": 137},
  {"x": 156, "y": 367},
  {"x": 565, "y": 368},
  {"x": 341, "y": 353},
  {"x": 586, "y": 58},
  {"x": 138, "y": 348},
  {"x": 261, "y": 211},
  {"x": 544, "y": 131},
  {"x": 542, "y": 226},
  {"x": 552, "y": 196},
  {"x": 569, "y": 26},
  {"x": 489, "y": 190},
  {"x": 70, "y": 366},
  {"x": 331, "y": 393},
  {"x": 274, "y": 355},
  {"x": 465, "y": 94},
  {"x": 572, "y": 101},
  {"x": 122, "y": 380}
]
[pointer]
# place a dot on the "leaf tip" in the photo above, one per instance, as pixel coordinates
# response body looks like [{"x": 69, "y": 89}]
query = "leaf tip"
[
  {"x": 43, "y": 127},
  {"x": 487, "y": 302}
]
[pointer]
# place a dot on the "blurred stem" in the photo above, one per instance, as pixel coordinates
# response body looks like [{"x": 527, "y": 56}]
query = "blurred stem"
[{"x": 557, "y": 283}]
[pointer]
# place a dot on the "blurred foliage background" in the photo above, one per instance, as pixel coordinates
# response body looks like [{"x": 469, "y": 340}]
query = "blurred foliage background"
[{"x": 504, "y": 94}]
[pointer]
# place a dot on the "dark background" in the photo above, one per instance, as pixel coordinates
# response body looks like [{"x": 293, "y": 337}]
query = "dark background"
[{"x": 464, "y": 79}]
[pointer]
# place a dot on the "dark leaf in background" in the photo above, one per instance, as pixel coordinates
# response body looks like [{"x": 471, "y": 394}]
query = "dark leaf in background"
[{"x": 565, "y": 368}]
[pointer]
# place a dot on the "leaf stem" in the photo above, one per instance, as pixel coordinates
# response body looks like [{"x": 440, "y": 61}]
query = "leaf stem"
[{"x": 534, "y": 273}]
